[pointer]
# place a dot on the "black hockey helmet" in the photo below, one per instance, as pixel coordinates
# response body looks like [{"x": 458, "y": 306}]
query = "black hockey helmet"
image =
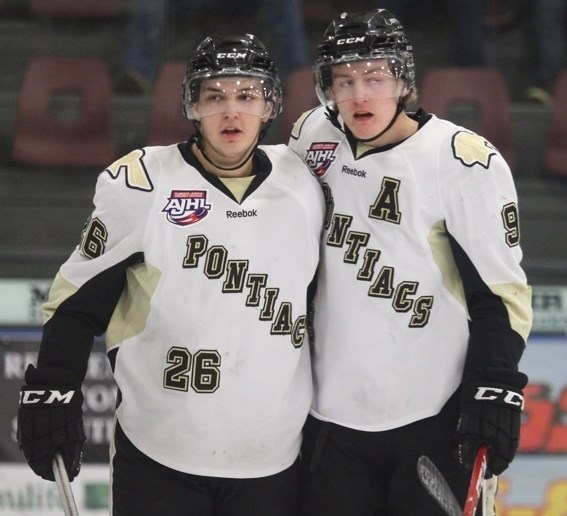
[
  {"x": 360, "y": 36},
  {"x": 235, "y": 55}
]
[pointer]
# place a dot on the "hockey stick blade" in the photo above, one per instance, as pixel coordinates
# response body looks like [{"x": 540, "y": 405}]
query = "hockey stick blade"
[
  {"x": 477, "y": 477},
  {"x": 64, "y": 486},
  {"x": 434, "y": 483}
]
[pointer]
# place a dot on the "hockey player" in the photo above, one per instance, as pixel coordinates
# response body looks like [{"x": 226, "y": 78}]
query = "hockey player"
[
  {"x": 422, "y": 310},
  {"x": 196, "y": 263}
]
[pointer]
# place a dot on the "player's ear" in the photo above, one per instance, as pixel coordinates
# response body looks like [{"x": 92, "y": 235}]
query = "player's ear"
[
  {"x": 404, "y": 89},
  {"x": 195, "y": 110},
  {"x": 268, "y": 110},
  {"x": 330, "y": 94}
]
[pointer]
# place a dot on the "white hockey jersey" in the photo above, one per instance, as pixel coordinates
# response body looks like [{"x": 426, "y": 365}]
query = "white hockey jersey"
[
  {"x": 420, "y": 255},
  {"x": 203, "y": 300}
]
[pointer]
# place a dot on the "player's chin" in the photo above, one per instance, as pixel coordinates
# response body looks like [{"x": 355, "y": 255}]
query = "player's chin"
[
  {"x": 363, "y": 133},
  {"x": 363, "y": 124}
]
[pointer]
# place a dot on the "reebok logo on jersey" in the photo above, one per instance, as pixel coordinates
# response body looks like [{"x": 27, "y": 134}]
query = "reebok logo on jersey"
[
  {"x": 186, "y": 207},
  {"x": 241, "y": 214},
  {"x": 353, "y": 171},
  {"x": 320, "y": 156}
]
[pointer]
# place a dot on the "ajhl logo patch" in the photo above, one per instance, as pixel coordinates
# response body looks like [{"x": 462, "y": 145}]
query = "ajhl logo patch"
[
  {"x": 186, "y": 207},
  {"x": 320, "y": 156}
]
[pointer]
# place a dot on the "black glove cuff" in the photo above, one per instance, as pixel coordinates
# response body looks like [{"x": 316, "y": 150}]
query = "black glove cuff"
[
  {"x": 505, "y": 376},
  {"x": 51, "y": 376}
]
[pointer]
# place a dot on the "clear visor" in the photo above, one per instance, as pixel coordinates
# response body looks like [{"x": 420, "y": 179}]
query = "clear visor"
[
  {"x": 244, "y": 95},
  {"x": 365, "y": 79}
]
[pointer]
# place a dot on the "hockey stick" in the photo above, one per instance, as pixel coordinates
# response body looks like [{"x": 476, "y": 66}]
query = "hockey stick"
[
  {"x": 433, "y": 481},
  {"x": 64, "y": 486},
  {"x": 475, "y": 486}
]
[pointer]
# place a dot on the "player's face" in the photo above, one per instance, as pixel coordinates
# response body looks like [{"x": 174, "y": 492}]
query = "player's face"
[
  {"x": 231, "y": 112},
  {"x": 366, "y": 94},
  {"x": 240, "y": 94}
]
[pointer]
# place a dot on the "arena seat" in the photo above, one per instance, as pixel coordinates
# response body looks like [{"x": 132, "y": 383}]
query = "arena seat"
[
  {"x": 44, "y": 135},
  {"x": 555, "y": 151},
  {"x": 166, "y": 124},
  {"x": 78, "y": 8},
  {"x": 484, "y": 88},
  {"x": 299, "y": 96}
]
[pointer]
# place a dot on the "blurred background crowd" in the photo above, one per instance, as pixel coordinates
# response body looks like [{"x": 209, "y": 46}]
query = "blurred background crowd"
[{"x": 55, "y": 116}]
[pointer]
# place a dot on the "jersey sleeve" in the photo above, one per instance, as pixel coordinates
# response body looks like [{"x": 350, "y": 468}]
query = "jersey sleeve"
[
  {"x": 88, "y": 285},
  {"x": 482, "y": 219}
]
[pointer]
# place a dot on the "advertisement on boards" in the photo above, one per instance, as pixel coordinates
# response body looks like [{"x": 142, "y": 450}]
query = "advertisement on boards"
[{"x": 534, "y": 485}]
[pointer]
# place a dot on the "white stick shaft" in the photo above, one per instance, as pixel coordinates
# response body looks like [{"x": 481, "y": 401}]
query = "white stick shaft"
[
  {"x": 433, "y": 481},
  {"x": 64, "y": 486}
]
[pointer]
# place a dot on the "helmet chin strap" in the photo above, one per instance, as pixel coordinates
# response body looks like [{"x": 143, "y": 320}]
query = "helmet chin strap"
[
  {"x": 197, "y": 139},
  {"x": 399, "y": 109}
]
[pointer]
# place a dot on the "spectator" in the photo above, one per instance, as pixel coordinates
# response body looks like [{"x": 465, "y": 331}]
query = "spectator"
[
  {"x": 146, "y": 33},
  {"x": 144, "y": 47},
  {"x": 550, "y": 30}
]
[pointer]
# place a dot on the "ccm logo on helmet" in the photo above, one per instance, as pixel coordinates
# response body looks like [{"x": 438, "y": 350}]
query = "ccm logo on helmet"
[
  {"x": 231, "y": 55},
  {"x": 51, "y": 397},
  {"x": 499, "y": 395},
  {"x": 346, "y": 41}
]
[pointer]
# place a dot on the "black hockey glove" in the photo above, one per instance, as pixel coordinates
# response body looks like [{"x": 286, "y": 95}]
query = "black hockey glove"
[
  {"x": 491, "y": 411},
  {"x": 50, "y": 420}
]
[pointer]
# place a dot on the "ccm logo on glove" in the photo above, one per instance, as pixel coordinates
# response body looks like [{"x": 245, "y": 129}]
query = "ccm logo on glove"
[
  {"x": 50, "y": 397},
  {"x": 499, "y": 395}
]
